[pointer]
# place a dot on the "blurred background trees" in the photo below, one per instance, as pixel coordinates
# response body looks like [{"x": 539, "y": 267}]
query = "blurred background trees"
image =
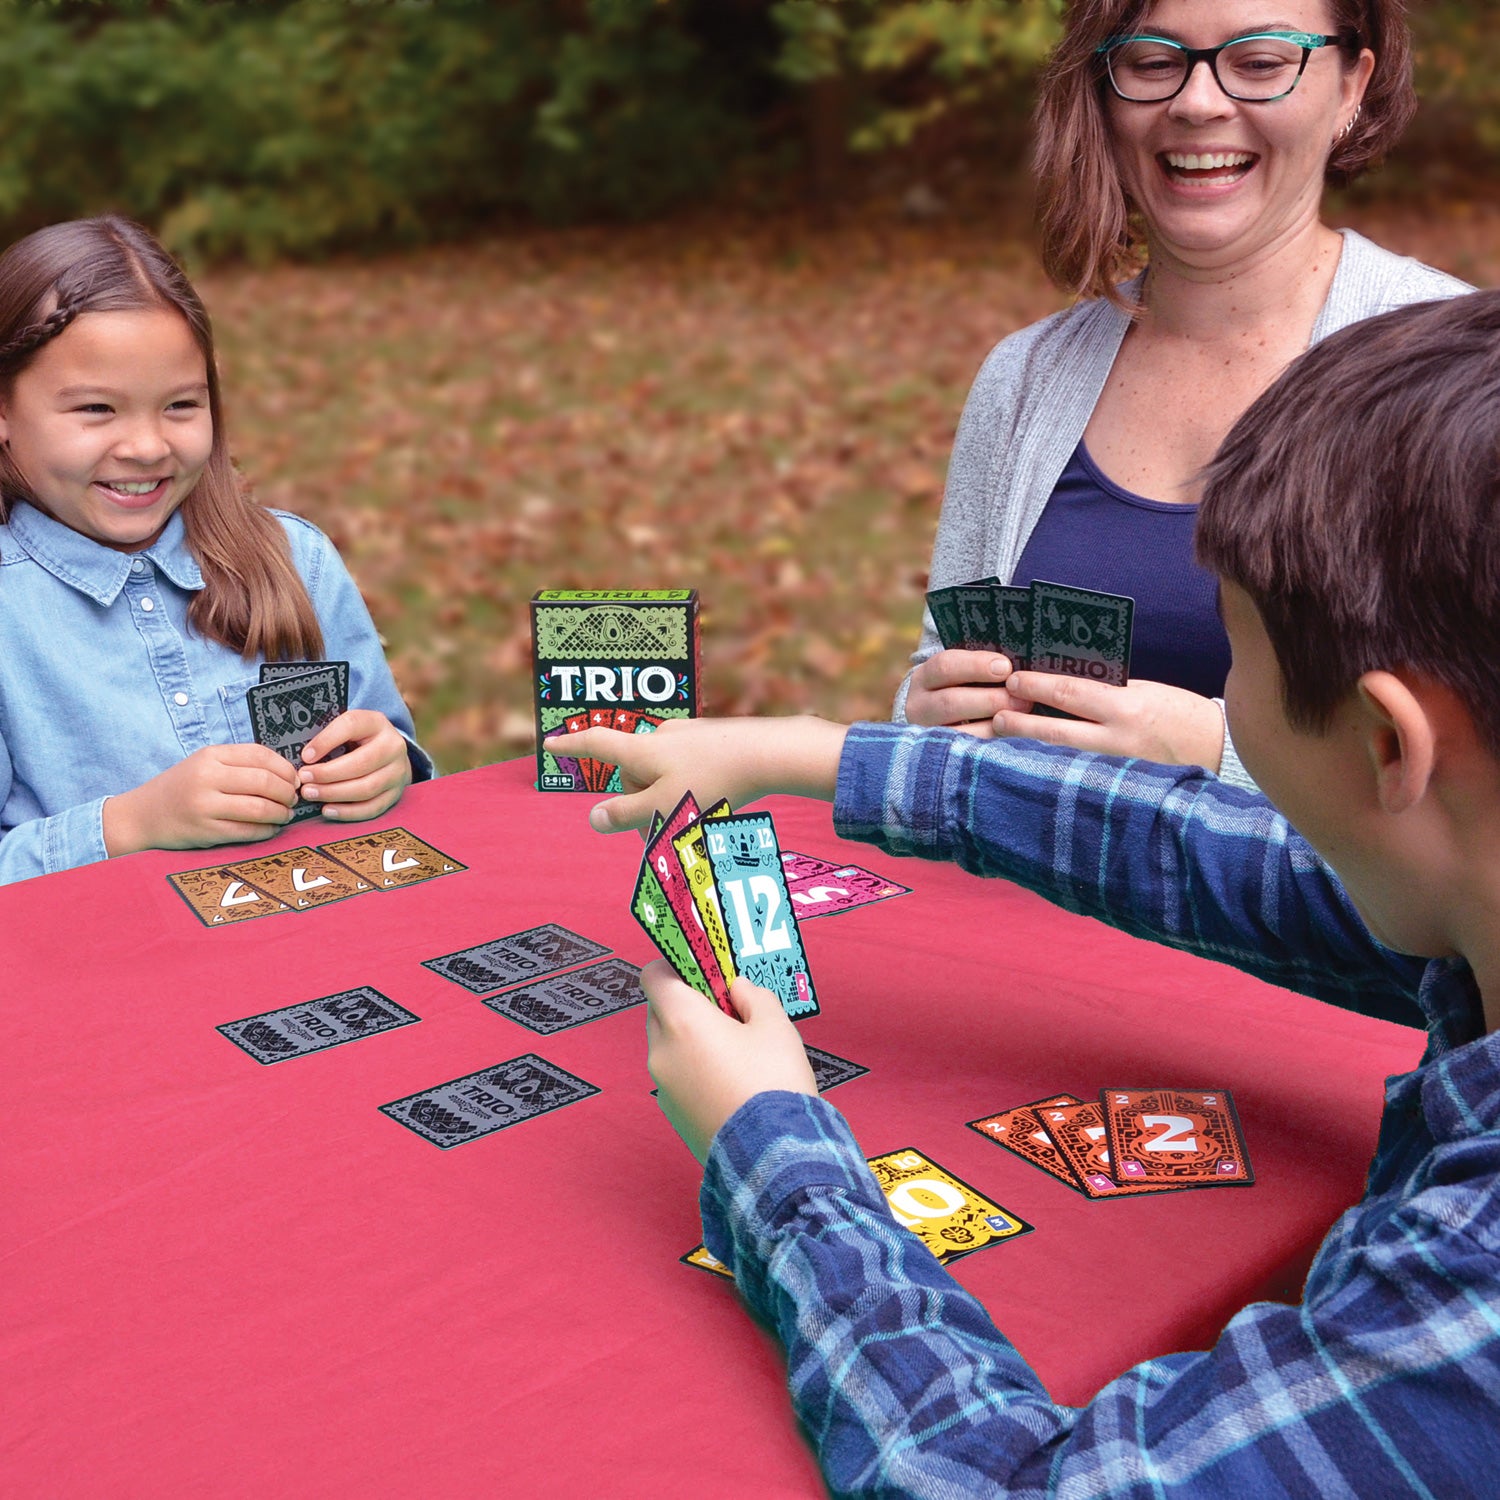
[
  {"x": 303, "y": 127},
  {"x": 520, "y": 294}
]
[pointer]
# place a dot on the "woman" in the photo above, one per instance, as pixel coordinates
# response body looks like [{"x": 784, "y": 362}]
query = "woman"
[{"x": 1208, "y": 136}]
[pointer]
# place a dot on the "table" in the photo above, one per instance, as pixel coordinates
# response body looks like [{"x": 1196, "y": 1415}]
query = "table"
[{"x": 231, "y": 1279}]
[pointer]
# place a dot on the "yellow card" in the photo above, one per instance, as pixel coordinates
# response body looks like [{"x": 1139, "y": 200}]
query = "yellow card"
[
  {"x": 699, "y": 1256},
  {"x": 944, "y": 1212},
  {"x": 700, "y": 878}
]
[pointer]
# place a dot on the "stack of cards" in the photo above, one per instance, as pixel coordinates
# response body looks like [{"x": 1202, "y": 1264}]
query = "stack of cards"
[
  {"x": 1132, "y": 1141},
  {"x": 624, "y": 659},
  {"x": 821, "y": 888},
  {"x": 1048, "y": 627},
  {"x": 301, "y": 879},
  {"x": 949, "y": 1217},
  {"x": 712, "y": 896},
  {"x": 294, "y": 700}
]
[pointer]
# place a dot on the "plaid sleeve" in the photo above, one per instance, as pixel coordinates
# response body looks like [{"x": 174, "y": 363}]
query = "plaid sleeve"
[
  {"x": 1164, "y": 852},
  {"x": 1382, "y": 1383}
]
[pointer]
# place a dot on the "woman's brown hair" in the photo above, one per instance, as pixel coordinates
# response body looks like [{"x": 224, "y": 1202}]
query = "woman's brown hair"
[
  {"x": 253, "y": 600},
  {"x": 1088, "y": 241}
]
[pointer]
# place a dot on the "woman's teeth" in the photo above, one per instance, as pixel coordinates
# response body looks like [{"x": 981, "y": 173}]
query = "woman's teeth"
[
  {"x": 125, "y": 487},
  {"x": 1191, "y": 162}
]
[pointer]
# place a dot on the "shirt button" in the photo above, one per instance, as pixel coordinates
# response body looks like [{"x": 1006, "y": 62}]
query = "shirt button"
[
  {"x": 180, "y": 699},
  {"x": 137, "y": 566},
  {"x": 148, "y": 605}
]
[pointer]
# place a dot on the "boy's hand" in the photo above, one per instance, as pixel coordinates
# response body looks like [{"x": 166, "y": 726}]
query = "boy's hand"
[
  {"x": 707, "y": 1065},
  {"x": 1149, "y": 720},
  {"x": 740, "y": 759},
  {"x": 366, "y": 781},
  {"x": 222, "y": 794},
  {"x": 961, "y": 690}
]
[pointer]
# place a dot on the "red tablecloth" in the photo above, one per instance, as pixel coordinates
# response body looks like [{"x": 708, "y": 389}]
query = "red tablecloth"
[{"x": 225, "y": 1279}]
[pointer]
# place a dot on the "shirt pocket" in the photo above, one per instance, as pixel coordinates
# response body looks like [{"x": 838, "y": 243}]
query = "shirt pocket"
[{"x": 236, "y": 711}]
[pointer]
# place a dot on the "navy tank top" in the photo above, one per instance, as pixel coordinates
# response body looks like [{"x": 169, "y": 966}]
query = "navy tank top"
[{"x": 1094, "y": 535}]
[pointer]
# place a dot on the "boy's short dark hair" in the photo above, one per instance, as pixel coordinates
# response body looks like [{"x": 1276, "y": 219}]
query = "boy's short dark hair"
[{"x": 1357, "y": 502}]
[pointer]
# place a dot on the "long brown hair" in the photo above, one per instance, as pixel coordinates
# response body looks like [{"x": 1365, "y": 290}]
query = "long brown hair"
[
  {"x": 1089, "y": 241},
  {"x": 1357, "y": 503},
  {"x": 253, "y": 600}
]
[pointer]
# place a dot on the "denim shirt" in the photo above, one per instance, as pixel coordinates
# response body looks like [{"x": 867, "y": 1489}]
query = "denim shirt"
[{"x": 103, "y": 685}]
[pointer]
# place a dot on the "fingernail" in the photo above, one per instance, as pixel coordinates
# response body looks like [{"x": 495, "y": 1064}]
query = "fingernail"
[
  {"x": 1000, "y": 667},
  {"x": 312, "y": 791},
  {"x": 599, "y": 818}
]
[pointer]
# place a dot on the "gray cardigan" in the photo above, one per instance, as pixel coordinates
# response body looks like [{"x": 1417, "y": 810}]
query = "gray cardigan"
[{"x": 1035, "y": 393}]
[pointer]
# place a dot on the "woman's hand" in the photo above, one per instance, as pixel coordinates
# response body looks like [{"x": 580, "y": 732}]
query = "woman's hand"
[
  {"x": 366, "y": 780},
  {"x": 706, "y": 1065},
  {"x": 222, "y": 794},
  {"x": 962, "y": 690},
  {"x": 1148, "y": 720}
]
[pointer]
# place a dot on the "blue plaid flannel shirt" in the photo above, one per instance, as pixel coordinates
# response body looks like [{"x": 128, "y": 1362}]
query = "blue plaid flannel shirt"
[{"x": 1385, "y": 1381}]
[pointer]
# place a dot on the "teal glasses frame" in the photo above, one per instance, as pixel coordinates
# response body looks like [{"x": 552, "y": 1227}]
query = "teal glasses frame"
[{"x": 1308, "y": 41}]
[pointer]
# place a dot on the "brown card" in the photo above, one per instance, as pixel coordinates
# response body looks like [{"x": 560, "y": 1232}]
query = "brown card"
[
  {"x": 303, "y": 878},
  {"x": 1078, "y": 1131},
  {"x": 219, "y": 896},
  {"x": 391, "y": 858}
]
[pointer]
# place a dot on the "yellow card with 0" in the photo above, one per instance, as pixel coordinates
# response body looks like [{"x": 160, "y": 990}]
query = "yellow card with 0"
[{"x": 943, "y": 1211}]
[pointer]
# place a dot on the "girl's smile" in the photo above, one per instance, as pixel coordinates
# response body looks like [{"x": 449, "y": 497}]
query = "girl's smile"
[{"x": 110, "y": 424}]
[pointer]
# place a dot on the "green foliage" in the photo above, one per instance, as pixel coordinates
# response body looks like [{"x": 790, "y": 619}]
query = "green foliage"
[
  {"x": 263, "y": 129},
  {"x": 266, "y": 128}
]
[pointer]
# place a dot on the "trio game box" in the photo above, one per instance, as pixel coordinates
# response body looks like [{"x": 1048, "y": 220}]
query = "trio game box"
[{"x": 623, "y": 659}]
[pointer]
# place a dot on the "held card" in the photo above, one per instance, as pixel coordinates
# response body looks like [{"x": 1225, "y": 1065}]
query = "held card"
[
  {"x": 478, "y": 1104},
  {"x": 648, "y": 905},
  {"x": 220, "y": 897},
  {"x": 295, "y": 1030},
  {"x": 285, "y": 715},
  {"x": 692, "y": 859},
  {"x": 571, "y": 999},
  {"x": 391, "y": 858},
  {"x": 1013, "y": 616},
  {"x": 1175, "y": 1137},
  {"x": 949, "y": 1217},
  {"x": 516, "y": 958},
  {"x": 744, "y": 862},
  {"x": 978, "y": 627},
  {"x": 664, "y": 864},
  {"x": 1020, "y": 1130},
  {"x": 1081, "y": 633},
  {"x": 945, "y": 617},
  {"x": 279, "y": 671}
]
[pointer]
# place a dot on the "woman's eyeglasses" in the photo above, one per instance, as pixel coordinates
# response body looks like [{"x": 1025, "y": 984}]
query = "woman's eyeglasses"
[{"x": 1253, "y": 69}]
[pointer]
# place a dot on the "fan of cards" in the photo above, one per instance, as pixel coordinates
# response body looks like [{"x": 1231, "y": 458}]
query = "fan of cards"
[
  {"x": 293, "y": 701},
  {"x": 1048, "y": 627},
  {"x": 301, "y": 879},
  {"x": 1131, "y": 1141},
  {"x": 712, "y": 896},
  {"x": 600, "y": 775}
]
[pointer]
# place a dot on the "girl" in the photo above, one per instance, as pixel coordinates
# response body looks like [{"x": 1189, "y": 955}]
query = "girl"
[{"x": 141, "y": 588}]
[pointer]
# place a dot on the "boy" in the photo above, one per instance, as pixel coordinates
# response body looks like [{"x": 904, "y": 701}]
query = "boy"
[{"x": 1353, "y": 518}]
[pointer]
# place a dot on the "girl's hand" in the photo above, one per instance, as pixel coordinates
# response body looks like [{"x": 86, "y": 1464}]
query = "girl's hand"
[
  {"x": 961, "y": 690},
  {"x": 222, "y": 794},
  {"x": 1148, "y": 720},
  {"x": 738, "y": 759},
  {"x": 706, "y": 1065},
  {"x": 364, "y": 782}
]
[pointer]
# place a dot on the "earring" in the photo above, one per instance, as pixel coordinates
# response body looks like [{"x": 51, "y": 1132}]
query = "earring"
[{"x": 1348, "y": 125}]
